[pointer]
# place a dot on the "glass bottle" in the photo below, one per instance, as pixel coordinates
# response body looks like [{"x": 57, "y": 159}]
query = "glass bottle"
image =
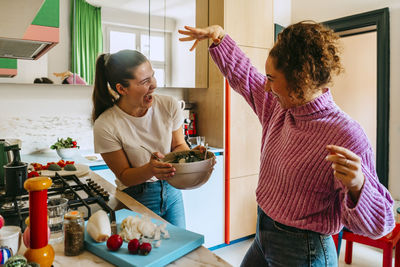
[{"x": 74, "y": 228}]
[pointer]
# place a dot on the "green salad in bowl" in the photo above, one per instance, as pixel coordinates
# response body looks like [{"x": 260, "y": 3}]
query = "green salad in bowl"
[
  {"x": 185, "y": 156},
  {"x": 193, "y": 169}
]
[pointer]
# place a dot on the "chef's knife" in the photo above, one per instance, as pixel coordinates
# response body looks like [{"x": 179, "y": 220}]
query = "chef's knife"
[{"x": 113, "y": 223}]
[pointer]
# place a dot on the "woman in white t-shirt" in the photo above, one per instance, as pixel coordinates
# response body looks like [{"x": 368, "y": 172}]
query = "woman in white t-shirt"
[{"x": 126, "y": 116}]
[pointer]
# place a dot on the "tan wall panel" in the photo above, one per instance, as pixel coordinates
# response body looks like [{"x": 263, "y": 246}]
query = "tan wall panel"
[
  {"x": 243, "y": 215},
  {"x": 202, "y": 48},
  {"x": 258, "y": 57},
  {"x": 245, "y": 138},
  {"x": 245, "y": 126},
  {"x": 250, "y": 23}
]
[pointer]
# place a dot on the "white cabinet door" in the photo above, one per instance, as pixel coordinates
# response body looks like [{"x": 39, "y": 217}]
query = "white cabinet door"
[{"x": 204, "y": 207}]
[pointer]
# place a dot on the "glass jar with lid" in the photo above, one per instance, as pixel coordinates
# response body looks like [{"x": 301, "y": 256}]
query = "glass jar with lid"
[{"x": 74, "y": 228}]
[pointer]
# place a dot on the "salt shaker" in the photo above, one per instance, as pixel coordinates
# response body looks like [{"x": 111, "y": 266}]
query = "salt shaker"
[{"x": 74, "y": 228}]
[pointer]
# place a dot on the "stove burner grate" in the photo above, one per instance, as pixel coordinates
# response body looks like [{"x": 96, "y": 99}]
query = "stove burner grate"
[{"x": 79, "y": 195}]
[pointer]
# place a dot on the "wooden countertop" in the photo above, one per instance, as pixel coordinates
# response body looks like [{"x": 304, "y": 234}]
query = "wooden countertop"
[{"x": 118, "y": 199}]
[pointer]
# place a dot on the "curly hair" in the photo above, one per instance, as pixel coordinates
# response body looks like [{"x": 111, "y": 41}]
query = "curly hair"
[{"x": 308, "y": 54}]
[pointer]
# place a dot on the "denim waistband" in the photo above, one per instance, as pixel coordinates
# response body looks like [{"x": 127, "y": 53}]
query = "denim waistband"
[{"x": 287, "y": 227}]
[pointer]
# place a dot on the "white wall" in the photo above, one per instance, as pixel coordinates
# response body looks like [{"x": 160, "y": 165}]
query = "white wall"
[
  {"x": 40, "y": 113},
  {"x": 326, "y": 10},
  {"x": 359, "y": 53},
  {"x": 282, "y": 12}
]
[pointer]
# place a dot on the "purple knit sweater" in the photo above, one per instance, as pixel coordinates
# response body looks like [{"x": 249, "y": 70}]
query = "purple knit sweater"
[{"x": 296, "y": 185}]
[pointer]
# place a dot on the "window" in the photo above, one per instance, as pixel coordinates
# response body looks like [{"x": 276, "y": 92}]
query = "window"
[
  {"x": 155, "y": 48},
  {"x": 122, "y": 40}
]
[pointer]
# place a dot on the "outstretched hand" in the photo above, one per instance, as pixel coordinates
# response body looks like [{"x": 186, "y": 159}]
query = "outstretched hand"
[{"x": 215, "y": 32}]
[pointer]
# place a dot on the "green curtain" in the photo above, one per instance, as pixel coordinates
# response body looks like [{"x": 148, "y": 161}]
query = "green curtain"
[{"x": 86, "y": 39}]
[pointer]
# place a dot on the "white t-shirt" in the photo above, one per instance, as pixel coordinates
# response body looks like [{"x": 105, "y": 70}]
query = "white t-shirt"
[{"x": 114, "y": 130}]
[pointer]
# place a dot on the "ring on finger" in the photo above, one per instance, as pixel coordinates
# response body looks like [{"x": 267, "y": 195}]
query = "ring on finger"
[{"x": 346, "y": 162}]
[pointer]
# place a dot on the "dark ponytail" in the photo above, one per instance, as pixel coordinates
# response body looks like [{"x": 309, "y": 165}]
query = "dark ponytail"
[
  {"x": 112, "y": 69},
  {"x": 102, "y": 98}
]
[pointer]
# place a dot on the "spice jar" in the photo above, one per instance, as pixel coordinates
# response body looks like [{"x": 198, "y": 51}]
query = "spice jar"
[{"x": 74, "y": 228}]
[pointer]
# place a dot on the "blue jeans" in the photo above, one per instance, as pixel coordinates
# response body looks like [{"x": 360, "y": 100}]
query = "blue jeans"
[
  {"x": 276, "y": 244},
  {"x": 163, "y": 199}
]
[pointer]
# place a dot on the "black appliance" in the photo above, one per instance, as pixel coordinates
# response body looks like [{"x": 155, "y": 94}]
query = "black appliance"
[{"x": 15, "y": 173}]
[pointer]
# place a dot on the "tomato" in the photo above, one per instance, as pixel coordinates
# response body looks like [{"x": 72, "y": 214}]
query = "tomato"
[
  {"x": 33, "y": 174},
  {"x": 61, "y": 163},
  {"x": 133, "y": 246},
  {"x": 144, "y": 248},
  {"x": 114, "y": 242},
  {"x": 36, "y": 166}
]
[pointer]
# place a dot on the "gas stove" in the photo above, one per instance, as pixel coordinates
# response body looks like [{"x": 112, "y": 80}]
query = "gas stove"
[{"x": 86, "y": 197}]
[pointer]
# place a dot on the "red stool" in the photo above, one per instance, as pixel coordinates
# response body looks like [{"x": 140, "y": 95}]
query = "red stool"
[
  {"x": 337, "y": 239},
  {"x": 387, "y": 243}
]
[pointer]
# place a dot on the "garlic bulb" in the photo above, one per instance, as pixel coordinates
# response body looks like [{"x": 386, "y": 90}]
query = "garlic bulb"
[
  {"x": 146, "y": 227},
  {"x": 131, "y": 223},
  {"x": 142, "y": 228},
  {"x": 98, "y": 226}
]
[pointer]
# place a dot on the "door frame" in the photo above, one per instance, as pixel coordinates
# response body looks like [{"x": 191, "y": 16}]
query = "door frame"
[{"x": 377, "y": 20}]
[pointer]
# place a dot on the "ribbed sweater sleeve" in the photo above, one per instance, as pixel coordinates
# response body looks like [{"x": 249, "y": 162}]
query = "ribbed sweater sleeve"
[
  {"x": 373, "y": 214},
  {"x": 242, "y": 76},
  {"x": 296, "y": 184}
]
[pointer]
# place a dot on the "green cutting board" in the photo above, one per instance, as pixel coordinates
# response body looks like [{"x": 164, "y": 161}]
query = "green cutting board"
[{"x": 180, "y": 243}]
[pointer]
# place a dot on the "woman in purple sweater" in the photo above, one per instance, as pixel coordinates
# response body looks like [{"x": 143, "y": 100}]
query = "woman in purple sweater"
[{"x": 317, "y": 170}]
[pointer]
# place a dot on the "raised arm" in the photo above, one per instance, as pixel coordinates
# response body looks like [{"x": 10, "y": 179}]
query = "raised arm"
[{"x": 243, "y": 77}]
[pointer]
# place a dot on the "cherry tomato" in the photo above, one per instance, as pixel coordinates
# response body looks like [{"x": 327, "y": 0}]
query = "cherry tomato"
[{"x": 114, "y": 242}]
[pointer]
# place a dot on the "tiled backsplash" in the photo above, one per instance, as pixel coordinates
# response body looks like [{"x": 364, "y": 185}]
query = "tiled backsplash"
[
  {"x": 39, "y": 132},
  {"x": 39, "y": 114}
]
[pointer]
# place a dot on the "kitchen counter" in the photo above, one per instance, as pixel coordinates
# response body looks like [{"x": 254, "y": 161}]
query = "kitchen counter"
[
  {"x": 118, "y": 199},
  {"x": 51, "y": 155}
]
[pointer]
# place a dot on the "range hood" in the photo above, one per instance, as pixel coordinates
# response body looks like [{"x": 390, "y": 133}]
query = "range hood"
[
  {"x": 29, "y": 28},
  {"x": 21, "y": 49}
]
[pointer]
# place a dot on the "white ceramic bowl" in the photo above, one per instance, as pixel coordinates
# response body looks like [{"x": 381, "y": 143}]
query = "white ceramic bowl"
[
  {"x": 193, "y": 174},
  {"x": 67, "y": 153},
  {"x": 10, "y": 236}
]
